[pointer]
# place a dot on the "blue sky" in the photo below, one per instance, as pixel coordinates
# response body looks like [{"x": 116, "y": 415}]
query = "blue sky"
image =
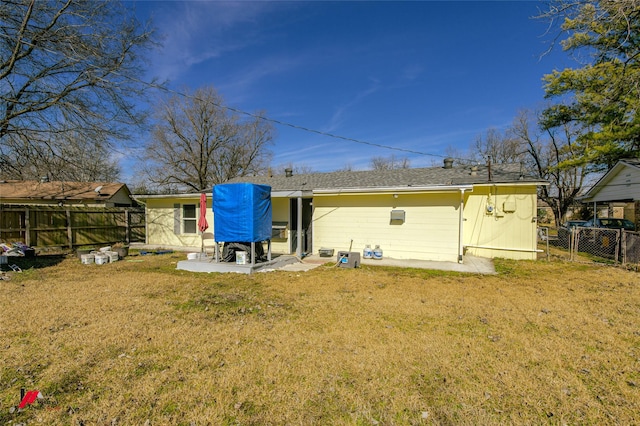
[{"x": 418, "y": 76}]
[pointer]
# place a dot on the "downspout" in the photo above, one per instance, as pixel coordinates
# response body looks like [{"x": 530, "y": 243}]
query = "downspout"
[
  {"x": 299, "y": 229},
  {"x": 460, "y": 227}
]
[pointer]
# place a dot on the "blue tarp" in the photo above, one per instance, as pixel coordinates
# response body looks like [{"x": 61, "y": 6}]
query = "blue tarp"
[{"x": 242, "y": 212}]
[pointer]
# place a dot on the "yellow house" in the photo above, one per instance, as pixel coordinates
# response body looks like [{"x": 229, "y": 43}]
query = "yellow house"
[{"x": 435, "y": 213}]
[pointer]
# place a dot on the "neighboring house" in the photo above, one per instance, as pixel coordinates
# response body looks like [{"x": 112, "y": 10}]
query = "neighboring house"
[
  {"x": 621, "y": 184},
  {"x": 546, "y": 216},
  {"x": 77, "y": 194},
  {"x": 436, "y": 213}
]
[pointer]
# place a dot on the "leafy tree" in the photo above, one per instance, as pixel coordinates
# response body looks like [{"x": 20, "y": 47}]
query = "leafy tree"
[
  {"x": 68, "y": 70},
  {"x": 197, "y": 143},
  {"x": 603, "y": 95}
]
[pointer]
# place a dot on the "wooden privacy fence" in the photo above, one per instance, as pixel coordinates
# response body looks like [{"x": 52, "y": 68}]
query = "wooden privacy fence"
[{"x": 53, "y": 226}]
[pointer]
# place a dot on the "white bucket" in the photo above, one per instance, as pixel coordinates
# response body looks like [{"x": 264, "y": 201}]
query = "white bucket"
[
  {"x": 241, "y": 257},
  {"x": 193, "y": 256},
  {"x": 87, "y": 259},
  {"x": 101, "y": 258},
  {"x": 113, "y": 256}
]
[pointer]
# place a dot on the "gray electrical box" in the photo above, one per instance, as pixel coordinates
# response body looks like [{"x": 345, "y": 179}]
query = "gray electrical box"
[
  {"x": 397, "y": 216},
  {"x": 348, "y": 259}
]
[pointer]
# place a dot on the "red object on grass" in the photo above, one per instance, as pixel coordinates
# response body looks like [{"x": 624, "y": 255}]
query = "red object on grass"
[{"x": 29, "y": 398}]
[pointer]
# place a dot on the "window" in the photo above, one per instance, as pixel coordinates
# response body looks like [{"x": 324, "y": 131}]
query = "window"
[
  {"x": 189, "y": 219},
  {"x": 279, "y": 231}
]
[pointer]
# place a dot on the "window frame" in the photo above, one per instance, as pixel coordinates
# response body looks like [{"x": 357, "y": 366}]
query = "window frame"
[{"x": 189, "y": 222}]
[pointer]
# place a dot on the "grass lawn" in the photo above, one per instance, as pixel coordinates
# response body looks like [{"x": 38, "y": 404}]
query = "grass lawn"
[{"x": 139, "y": 343}]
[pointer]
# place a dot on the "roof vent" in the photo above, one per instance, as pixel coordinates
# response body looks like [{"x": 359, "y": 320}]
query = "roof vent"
[
  {"x": 288, "y": 172},
  {"x": 448, "y": 163},
  {"x": 474, "y": 170}
]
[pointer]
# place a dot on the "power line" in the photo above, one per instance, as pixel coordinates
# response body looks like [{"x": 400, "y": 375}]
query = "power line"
[
  {"x": 291, "y": 125},
  {"x": 271, "y": 120},
  {"x": 331, "y": 135}
]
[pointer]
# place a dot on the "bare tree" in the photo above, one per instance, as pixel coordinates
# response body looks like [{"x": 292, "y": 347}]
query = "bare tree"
[
  {"x": 545, "y": 153},
  {"x": 501, "y": 148},
  {"x": 347, "y": 167},
  {"x": 197, "y": 143},
  {"x": 549, "y": 155},
  {"x": 68, "y": 158},
  {"x": 390, "y": 163},
  {"x": 68, "y": 67}
]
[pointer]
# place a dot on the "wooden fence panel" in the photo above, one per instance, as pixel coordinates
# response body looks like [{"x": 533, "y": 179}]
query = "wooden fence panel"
[
  {"x": 52, "y": 226},
  {"x": 12, "y": 222},
  {"x": 137, "y": 225}
]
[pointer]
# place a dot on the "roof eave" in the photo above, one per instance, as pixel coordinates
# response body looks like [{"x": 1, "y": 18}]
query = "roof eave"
[
  {"x": 514, "y": 183},
  {"x": 164, "y": 196},
  {"x": 392, "y": 189},
  {"x": 592, "y": 193}
]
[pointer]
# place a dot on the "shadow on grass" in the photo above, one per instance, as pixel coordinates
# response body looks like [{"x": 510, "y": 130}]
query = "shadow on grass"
[{"x": 36, "y": 262}]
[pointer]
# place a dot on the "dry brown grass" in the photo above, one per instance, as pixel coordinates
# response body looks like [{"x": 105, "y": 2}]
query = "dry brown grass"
[{"x": 138, "y": 342}]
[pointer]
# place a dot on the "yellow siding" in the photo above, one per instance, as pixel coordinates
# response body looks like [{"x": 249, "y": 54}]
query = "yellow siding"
[
  {"x": 502, "y": 232},
  {"x": 280, "y": 209},
  {"x": 160, "y": 222},
  {"x": 278, "y": 247},
  {"x": 430, "y": 230},
  {"x": 280, "y": 213}
]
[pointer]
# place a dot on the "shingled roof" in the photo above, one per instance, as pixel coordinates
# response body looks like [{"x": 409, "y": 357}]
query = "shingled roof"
[
  {"x": 371, "y": 179},
  {"x": 36, "y": 190}
]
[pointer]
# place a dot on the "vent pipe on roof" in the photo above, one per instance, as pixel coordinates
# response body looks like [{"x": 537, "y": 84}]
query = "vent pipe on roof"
[
  {"x": 448, "y": 163},
  {"x": 288, "y": 172},
  {"x": 474, "y": 170}
]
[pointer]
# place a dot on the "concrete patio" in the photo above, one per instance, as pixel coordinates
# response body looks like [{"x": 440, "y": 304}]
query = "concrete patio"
[{"x": 470, "y": 264}]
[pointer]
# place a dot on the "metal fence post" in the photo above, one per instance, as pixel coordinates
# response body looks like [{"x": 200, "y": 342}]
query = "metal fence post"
[
  {"x": 617, "y": 247},
  {"x": 546, "y": 228}
]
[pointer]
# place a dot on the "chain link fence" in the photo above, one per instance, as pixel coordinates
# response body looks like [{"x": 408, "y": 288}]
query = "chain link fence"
[{"x": 591, "y": 244}]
